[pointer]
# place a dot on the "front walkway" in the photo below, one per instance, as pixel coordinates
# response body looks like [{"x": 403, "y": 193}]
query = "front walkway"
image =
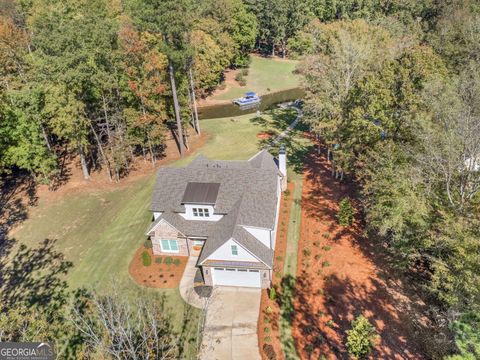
[
  {"x": 187, "y": 291},
  {"x": 230, "y": 331}
]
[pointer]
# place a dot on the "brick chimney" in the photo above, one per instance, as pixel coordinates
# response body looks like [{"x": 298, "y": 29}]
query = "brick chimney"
[{"x": 282, "y": 166}]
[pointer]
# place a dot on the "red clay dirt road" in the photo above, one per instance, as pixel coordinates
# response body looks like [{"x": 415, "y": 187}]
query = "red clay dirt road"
[{"x": 340, "y": 275}]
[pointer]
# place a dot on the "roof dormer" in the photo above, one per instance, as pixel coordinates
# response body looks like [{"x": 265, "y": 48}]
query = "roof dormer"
[{"x": 199, "y": 200}]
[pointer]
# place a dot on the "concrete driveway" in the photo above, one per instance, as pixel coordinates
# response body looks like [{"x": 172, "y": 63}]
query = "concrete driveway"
[{"x": 231, "y": 325}]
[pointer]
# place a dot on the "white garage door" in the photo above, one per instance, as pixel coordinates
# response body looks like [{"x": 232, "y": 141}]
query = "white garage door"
[{"x": 236, "y": 277}]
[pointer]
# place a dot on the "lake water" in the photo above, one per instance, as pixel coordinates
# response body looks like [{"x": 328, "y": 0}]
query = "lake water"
[{"x": 268, "y": 101}]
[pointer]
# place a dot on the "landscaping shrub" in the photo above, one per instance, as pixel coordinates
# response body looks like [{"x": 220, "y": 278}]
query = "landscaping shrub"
[
  {"x": 168, "y": 260},
  {"x": 330, "y": 323},
  {"x": 360, "y": 337},
  {"x": 326, "y": 235},
  {"x": 345, "y": 212},
  {"x": 146, "y": 259},
  {"x": 148, "y": 244},
  {"x": 158, "y": 260},
  {"x": 316, "y": 243},
  {"x": 268, "y": 310},
  {"x": 317, "y": 257},
  {"x": 269, "y": 352},
  {"x": 176, "y": 262},
  {"x": 244, "y": 72},
  {"x": 268, "y": 339},
  {"x": 326, "y": 248},
  {"x": 325, "y": 264},
  {"x": 241, "y": 79},
  {"x": 286, "y": 193},
  {"x": 266, "y": 330},
  {"x": 273, "y": 294},
  {"x": 307, "y": 252},
  {"x": 279, "y": 258}
]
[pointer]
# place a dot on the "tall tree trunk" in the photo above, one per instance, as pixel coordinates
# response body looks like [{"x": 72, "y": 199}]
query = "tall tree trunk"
[
  {"x": 150, "y": 148},
  {"x": 107, "y": 121},
  {"x": 194, "y": 101},
  {"x": 176, "y": 105},
  {"x": 273, "y": 49},
  {"x": 102, "y": 153},
  {"x": 284, "y": 49},
  {"x": 186, "y": 138},
  {"x": 45, "y": 136},
  {"x": 83, "y": 162}
]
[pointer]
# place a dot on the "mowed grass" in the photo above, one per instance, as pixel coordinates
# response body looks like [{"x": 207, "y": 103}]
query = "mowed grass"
[
  {"x": 100, "y": 231},
  {"x": 265, "y": 76}
]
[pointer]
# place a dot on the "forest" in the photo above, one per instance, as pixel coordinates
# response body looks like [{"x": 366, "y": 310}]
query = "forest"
[{"x": 392, "y": 88}]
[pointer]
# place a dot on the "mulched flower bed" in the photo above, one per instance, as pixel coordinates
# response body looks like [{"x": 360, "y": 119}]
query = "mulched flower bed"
[
  {"x": 265, "y": 134},
  {"x": 268, "y": 322},
  {"x": 164, "y": 272},
  {"x": 341, "y": 274}
]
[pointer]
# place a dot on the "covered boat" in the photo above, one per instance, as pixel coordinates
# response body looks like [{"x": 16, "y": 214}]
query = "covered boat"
[{"x": 249, "y": 98}]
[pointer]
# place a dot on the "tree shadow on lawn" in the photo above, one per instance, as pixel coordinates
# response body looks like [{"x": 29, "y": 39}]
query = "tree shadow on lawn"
[
  {"x": 33, "y": 276},
  {"x": 281, "y": 118},
  {"x": 17, "y": 191},
  {"x": 296, "y": 146}
]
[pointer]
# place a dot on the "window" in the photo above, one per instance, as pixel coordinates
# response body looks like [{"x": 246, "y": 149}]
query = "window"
[
  {"x": 234, "y": 250},
  {"x": 169, "y": 245},
  {"x": 201, "y": 212},
  {"x": 198, "y": 242}
]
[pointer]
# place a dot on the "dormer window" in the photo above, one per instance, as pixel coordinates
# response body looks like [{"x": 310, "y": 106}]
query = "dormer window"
[{"x": 201, "y": 212}]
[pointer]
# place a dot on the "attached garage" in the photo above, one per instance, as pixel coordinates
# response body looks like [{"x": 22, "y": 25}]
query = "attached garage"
[{"x": 236, "y": 277}]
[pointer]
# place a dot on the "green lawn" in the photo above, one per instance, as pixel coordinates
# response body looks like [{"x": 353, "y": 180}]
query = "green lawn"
[
  {"x": 298, "y": 148},
  {"x": 265, "y": 76},
  {"x": 101, "y": 230}
]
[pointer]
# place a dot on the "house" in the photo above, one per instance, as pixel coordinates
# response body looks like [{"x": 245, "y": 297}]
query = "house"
[{"x": 225, "y": 213}]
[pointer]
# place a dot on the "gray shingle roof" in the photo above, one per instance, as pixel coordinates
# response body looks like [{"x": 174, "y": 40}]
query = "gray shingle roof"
[{"x": 247, "y": 196}]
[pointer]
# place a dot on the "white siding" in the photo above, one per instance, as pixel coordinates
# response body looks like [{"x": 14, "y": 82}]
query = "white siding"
[
  {"x": 263, "y": 235},
  {"x": 224, "y": 252},
  {"x": 156, "y": 214},
  {"x": 189, "y": 213},
  {"x": 277, "y": 212}
]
